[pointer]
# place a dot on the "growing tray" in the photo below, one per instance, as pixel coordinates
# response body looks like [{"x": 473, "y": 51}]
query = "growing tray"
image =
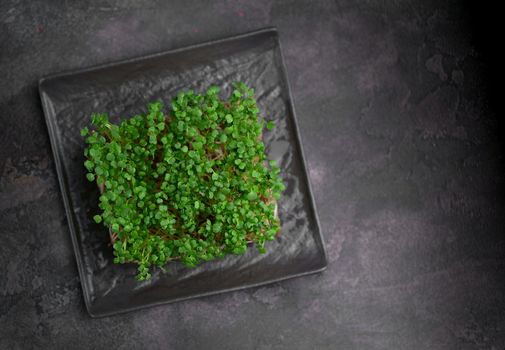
[{"x": 123, "y": 89}]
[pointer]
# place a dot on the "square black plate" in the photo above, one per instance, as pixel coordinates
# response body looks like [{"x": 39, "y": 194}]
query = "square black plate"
[{"x": 124, "y": 89}]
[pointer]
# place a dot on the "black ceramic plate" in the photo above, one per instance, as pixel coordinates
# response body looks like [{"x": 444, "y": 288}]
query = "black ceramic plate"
[{"x": 124, "y": 89}]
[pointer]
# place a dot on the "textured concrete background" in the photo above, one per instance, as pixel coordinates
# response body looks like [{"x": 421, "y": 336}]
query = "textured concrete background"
[{"x": 404, "y": 156}]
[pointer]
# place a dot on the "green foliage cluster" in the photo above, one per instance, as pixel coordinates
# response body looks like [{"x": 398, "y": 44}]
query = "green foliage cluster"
[{"x": 193, "y": 184}]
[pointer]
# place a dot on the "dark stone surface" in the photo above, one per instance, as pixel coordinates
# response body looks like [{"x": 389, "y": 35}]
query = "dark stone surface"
[{"x": 405, "y": 161}]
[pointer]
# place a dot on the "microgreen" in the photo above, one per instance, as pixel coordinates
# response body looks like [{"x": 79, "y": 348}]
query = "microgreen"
[{"x": 192, "y": 184}]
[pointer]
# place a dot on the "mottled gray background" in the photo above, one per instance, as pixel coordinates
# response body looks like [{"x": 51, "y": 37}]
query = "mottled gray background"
[{"x": 403, "y": 148}]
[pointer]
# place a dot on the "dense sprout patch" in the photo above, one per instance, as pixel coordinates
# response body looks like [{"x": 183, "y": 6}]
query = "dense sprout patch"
[{"x": 192, "y": 184}]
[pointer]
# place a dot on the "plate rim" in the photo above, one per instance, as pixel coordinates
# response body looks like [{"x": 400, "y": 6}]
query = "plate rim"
[{"x": 67, "y": 201}]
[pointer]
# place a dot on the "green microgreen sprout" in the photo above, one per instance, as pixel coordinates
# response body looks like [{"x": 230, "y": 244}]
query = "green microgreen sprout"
[{"x": 193, "y": 184}]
